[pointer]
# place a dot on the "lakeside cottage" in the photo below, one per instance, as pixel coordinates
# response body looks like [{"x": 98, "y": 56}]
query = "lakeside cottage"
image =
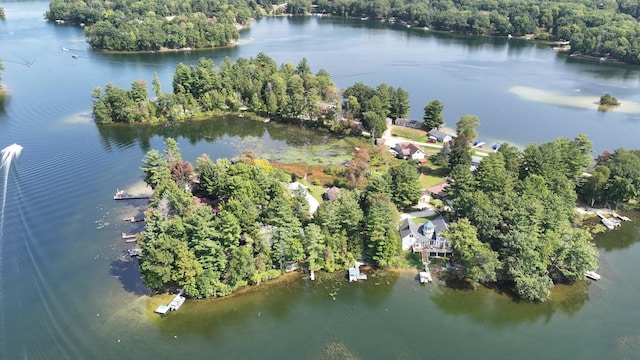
[
  {"x": 414, "y": 124},
  {"x": 408, "y": 150},
  {"x": 439, "y": 135},
  {"x": 426, "y": 238}
]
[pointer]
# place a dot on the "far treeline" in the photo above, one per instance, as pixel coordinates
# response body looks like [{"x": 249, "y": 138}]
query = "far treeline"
[
  {"x": 151, "y": 25},
  {"x": 256, "y": 86},
  {"x": 607, "y": 28}
]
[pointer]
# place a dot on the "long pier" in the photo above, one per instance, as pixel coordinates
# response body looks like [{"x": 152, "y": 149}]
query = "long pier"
[{"x": 121, "y": 195}]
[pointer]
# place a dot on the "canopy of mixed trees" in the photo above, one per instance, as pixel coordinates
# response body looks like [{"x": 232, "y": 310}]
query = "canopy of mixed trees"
[
  {"x": 225, "y": 224},
  {"x": 597, "y": 28},
  {"x": 128, "y": 25},
  {"x": 258, "y": 85},
  {"x": 607, "y": 28},
  {"x": 615, "y": 178},
  {"x": 515, "y": 216},
  {"x": 255, "y": 84}
]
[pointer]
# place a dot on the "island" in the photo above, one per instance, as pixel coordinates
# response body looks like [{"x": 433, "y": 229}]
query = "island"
[
  {"x": 507, "y": 216},
  {"x": 608, "y": 35}
]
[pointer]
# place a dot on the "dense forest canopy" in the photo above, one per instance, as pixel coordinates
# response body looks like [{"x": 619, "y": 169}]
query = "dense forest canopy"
[
  {"x": 516, "y": 213},
  {"x": 258, "y": 85},
  {"x": 608, "y": 29},
  {"x": 127, "y": 25},
  {"x": 598, "y": 28},
  {"x": 225, "y": 224}
]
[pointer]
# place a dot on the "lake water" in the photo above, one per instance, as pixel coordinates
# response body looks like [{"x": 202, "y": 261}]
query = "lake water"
[{"x": 68, "y": 292}]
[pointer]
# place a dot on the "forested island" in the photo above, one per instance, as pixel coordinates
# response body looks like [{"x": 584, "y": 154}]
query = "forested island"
[
  {"x": 254, "y": 86},
  {"x": 608, "y": 30},
  {"x": 228, "y": 223}
]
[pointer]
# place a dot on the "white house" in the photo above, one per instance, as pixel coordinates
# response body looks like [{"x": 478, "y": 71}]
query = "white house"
[
  {"x": 426, "y": 237},
  {"x": 313, "y": 203},
  {"x": 439, "y": 135},
  {"x": 408, "y": 150}
]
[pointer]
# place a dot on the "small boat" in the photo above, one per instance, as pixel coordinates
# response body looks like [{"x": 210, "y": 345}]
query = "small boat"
[
  {"x": 64, "y": 49},
  {"x": 592, "y": 275},
  {"x": 425, "y": 277},
  {"x": 266, "y": 120},
  {"x": 74, "y": 56},
  {"x": 134, "y": 252}
]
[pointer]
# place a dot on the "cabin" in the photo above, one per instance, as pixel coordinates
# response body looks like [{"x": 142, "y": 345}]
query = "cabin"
[
  {"x": 439, "y": 135},
  {"x": 426, "y": 238},
  {"x": 408, "y": 150},
  {"x": 414, "y": 124}
]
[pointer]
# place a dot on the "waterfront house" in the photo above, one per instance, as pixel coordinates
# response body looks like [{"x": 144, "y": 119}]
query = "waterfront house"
[
  {"x": 439, "y": 135},
  {"x": 426, "y": 238},
  {"x": 414, "y": 124},
  {"x": 408, "y": 150}
]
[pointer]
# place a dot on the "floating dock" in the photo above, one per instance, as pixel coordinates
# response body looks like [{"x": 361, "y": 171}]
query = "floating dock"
[
  {"x": 175, "y": 304},
  {"x": 623, "y": 218},
  {"x": 354, "y": 272},
  {"x": 592, "y": 275},
  {"x": 121, "y": 195},
  {"x": 129, "y": 237},
  {"x": 425, "y": 276},
  {"x": 610, "y": 223}
]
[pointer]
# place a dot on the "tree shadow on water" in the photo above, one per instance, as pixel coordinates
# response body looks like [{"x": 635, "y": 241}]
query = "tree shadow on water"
[
  {"x": 128, "y": 272},
  {"x": 499, "y": 307}
]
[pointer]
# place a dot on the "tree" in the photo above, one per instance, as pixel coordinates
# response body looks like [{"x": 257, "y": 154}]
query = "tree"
[
  {"x": 608, "y": 100},
  {"x": 155, "y": 84},
  {"x": 314, "y": 245},
  {"x": 374, "y": 122},
  {"x": 433, "y": 118},
  {"x": 155, "y": 168},
  {"x": 480, "y": 262},
  {"x": 399, "y": 104},
  {"x": 576, "y": 255},
  {"x": 381, "y": 224},
  {"x": 466, "y": 127},
  {"x": 405, "y": 188}
]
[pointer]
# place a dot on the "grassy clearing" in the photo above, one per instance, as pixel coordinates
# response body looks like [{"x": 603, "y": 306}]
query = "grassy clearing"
[
  {"x": 431, "y": 174},
  {"x": 409, "y": 133}
]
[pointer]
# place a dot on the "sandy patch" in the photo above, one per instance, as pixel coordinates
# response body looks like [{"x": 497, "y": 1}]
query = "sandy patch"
[{"x": 583, "y": 102}]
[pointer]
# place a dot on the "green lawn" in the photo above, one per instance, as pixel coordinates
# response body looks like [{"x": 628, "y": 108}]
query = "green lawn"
[
  {"x": 409, "y": 133},
  {"x": 431, "y": 174}
]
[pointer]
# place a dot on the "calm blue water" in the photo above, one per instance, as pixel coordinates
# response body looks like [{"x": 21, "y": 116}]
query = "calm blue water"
[{"x": 68, "y": 292}]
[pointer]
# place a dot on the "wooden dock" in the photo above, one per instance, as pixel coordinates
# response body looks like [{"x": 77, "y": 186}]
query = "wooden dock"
[
  {"x": 623, "y": 218},
  {"x": 175, "y": 304},
  {"x": 130, "y": 238},
  {"x": 132, "y": 219},
  {"x": 121, "y": 195}
]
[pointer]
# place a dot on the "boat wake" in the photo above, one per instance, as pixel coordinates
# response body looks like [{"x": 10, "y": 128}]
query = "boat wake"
[{"x": 8, "y": 156}]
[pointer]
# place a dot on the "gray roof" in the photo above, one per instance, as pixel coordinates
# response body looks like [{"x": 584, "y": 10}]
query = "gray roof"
[
  {"x": 409, "y": 227},
  {"x": 438, "y": 133}
]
